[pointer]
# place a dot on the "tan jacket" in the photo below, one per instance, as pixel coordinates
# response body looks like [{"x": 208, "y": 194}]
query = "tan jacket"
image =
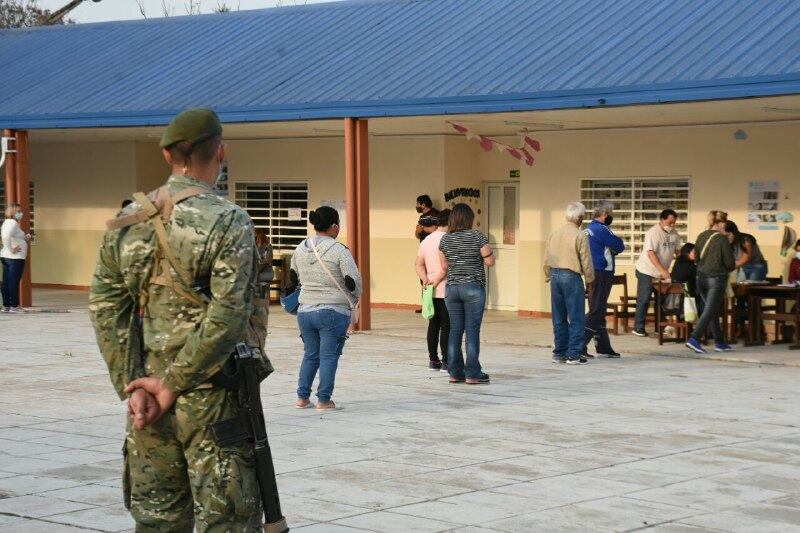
[{"x": 568, "y": 248}]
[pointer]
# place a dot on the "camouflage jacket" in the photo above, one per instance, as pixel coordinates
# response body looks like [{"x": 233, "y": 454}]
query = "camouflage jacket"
[{"x": 180, "y": 341}]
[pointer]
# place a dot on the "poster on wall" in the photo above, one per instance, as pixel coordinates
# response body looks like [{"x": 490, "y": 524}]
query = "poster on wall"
[{"x": 762, "y": 204}]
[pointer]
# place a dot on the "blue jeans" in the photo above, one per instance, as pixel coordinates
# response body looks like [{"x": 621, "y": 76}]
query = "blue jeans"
[
  {"x": 323, "y": 333},
  {"x": 567, "y": 302},
  {"x": 465, "y": 303},
  {"x": 644, "y": 291},
  {"x": 711, "y": 290},
  {"x": 755, "y": 272},
  {"x": 12, "y": 274}
]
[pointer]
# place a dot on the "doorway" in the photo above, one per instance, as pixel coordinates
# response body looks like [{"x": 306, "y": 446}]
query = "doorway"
[{"x": 501, "y": 216}]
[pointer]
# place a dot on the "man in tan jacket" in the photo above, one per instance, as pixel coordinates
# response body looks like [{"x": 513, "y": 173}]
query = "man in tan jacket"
[{"x": 566, "y": 258}]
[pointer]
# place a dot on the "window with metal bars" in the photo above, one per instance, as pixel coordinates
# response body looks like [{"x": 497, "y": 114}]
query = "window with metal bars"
[
  {"x": 280, "y": 207},
  {"x": 637, "y": 204},
  {"x": 31, "y": 199}
]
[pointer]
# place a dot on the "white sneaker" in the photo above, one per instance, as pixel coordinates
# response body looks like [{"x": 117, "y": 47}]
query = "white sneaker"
[
  {"x": 17, "y": 310},
  {"x": 5, "y": 310}
]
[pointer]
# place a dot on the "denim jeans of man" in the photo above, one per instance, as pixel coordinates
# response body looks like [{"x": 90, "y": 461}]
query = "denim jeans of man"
[
  {"x": 12, "y": 274},
  {"x": 567, "y": 295},
  {"x": 644, "y": 292},
  {"x": 324, "y": 333},
  {"x": 596, "y": 317},
  {"x": 754, "y": 272},
  {"x": 465, "y": 303},
  {"x": 438, "y": 331},
  {"x": 711, "y": 290}
]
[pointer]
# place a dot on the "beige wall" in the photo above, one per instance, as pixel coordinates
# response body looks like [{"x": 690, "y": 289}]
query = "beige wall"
[
  {"x": 719, "y": 167},
  {"x": 78, "y": 187}
]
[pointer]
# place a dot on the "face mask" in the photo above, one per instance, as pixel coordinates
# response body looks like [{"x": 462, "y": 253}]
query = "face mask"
[
  {"x": 797, "y": 255},
  {"x": 18, "y": 216},
  {"x": 419, "y": 209},
  {"x": 609, "y": 219}
]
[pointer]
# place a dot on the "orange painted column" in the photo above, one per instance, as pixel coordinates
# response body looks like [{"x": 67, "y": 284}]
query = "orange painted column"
[
  {"x": 11, "y": 171},
  {"x": 362, "y": 230},
  {"x": 23, "y": 194},
  {"x": 350, "y": 183}
]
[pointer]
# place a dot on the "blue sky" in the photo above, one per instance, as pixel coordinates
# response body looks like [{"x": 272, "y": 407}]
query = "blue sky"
[{"x": 127, "y": 9}]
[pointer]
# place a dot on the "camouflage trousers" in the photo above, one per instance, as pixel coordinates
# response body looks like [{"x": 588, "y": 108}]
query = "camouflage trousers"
[{"x": 177, "y": 478}]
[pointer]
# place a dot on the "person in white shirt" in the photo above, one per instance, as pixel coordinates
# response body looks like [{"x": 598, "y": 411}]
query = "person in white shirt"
[
  {"x": 429, "y": 270},
  {"x": 12, "y": 255},
  {"x": 660, "y": 243}
]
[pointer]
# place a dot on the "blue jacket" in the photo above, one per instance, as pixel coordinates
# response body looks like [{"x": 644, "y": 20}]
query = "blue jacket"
[{"x": 602, "y": 242}]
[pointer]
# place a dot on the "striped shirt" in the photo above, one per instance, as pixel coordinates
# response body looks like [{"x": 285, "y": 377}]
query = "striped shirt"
[{"x": 462, "y": 250}]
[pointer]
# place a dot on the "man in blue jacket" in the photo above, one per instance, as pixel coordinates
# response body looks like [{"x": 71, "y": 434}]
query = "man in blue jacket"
[{"x": 604, "y": 245}]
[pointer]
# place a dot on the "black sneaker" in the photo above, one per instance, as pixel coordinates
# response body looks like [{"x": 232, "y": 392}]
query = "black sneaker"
[
  {"x": 640, "y": 332},
  {"x": 611, "y": 354},
  {"x": 557, "y": 359},
  {"x": 444, "y": 367},
  {"x": 483, "y": 378},
  {"x": 435, "y": 366},
  {"x": 579, "y": 361}
]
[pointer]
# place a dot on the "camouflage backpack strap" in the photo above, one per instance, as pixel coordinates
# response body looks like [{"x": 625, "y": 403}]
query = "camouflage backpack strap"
[{"x": 165, "y": 255}]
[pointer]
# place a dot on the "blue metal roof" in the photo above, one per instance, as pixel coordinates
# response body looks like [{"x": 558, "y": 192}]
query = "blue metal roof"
[{"x": 399, "y": 57}]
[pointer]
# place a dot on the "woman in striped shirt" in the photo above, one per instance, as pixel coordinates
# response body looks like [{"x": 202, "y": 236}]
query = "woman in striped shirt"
[{"x": 464, "y": 252}]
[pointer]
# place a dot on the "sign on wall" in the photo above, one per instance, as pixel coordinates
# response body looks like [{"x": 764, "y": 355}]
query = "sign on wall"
[{"x": 762, "y": 204}]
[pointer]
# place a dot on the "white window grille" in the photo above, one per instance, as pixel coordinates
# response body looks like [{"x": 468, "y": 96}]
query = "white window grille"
[
  {"x": 32, "y": 203},
  {"x": 637, "y": 204},
  {"x": 279, "y": 207}
]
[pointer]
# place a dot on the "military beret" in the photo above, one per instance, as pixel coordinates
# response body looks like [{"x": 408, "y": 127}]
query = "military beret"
[{"x": 194, "y": 125}]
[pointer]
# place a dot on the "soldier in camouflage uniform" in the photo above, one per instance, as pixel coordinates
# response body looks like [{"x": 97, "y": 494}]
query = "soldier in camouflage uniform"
[{"x": 152, "y": 326}]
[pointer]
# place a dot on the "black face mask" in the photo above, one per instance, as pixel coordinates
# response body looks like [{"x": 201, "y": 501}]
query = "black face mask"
[
  {"x": 419, "y": 209},
  {"x": 609, "y": 220}
]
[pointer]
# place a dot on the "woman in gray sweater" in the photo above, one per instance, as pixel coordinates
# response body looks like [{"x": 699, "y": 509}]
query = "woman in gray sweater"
[{"x": 331, "y": 287}]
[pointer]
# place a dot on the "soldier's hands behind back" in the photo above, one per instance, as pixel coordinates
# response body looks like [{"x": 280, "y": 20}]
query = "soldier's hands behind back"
[
  {"x": 144, "y": 408},
  {"x": 155, "y": 386}
]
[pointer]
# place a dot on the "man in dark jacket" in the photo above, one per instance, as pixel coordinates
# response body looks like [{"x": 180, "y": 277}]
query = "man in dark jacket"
[
  {"x": 714, "y": 262},
  {"x": 604, "y": 245}
]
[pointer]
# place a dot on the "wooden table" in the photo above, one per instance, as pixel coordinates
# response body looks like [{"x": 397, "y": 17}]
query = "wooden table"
[
  {"x": 781, "y": 295},
  {"x": 730, "y": 311}
]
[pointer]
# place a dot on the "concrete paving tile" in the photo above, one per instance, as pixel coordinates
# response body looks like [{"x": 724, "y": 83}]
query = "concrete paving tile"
[
  {"x": 38, "y": 506},
  {"x": 328, "y": 528},
  {"x": 390, "y": 522},
  {"x": 26, "y": 484},
  {"x": 80, "y": 457},
  {"x": 28, "y": 465},
  {"x": 789, "y": 501},
  {"x": 315, "y": 510},
  {"x": 739, "y": 523},
  {"x": 25, "y": 433},
  {"x": 566, "y": 489},
  {"x": 83, "y": 473},
  {"x": 771, "y": 512},
  {"x": 527, "y": 523},
  {"x": 706, "y": 494},
  {"x": 91, "y": 494},
  {"x": 108, "y": 518},
  {"x": 461, "y": 511},
  {"x": 678, "y": 527},
  {"x": 38, "y": 526},
  {"x": 27, "y": 449}
]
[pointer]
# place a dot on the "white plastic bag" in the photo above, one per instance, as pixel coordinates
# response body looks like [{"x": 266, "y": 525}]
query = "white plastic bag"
[{"x": 689, "y": 309}]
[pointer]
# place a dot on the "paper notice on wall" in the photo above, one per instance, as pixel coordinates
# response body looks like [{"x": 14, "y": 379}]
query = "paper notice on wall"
[
  {"x": 295, "y": 213},
  {"x": 762, "y": 204}
]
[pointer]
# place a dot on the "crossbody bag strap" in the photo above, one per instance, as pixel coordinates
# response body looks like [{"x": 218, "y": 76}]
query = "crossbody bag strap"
[
  {"x": 705, "y": 246},
  {"x": 328, "y": 272}
]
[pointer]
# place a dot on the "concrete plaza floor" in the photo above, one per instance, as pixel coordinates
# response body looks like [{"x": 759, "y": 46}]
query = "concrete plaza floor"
[{"x": 646, "y": 441}]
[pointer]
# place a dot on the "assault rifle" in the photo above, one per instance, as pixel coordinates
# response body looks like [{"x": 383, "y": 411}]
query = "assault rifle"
[{"x": 241, "y": 375}]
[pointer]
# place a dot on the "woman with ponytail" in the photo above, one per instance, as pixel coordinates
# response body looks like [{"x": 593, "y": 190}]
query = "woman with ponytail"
[{"x": 331, "y": 286}]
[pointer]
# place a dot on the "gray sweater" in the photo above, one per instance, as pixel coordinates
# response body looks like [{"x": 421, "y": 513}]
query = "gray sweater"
[{"x": 317, "y": 287}]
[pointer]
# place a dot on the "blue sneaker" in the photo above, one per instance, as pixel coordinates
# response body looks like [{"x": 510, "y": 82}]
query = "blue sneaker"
[
  {"x": 722, "y": 347},
  {"x": 695, "y": 345}
]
